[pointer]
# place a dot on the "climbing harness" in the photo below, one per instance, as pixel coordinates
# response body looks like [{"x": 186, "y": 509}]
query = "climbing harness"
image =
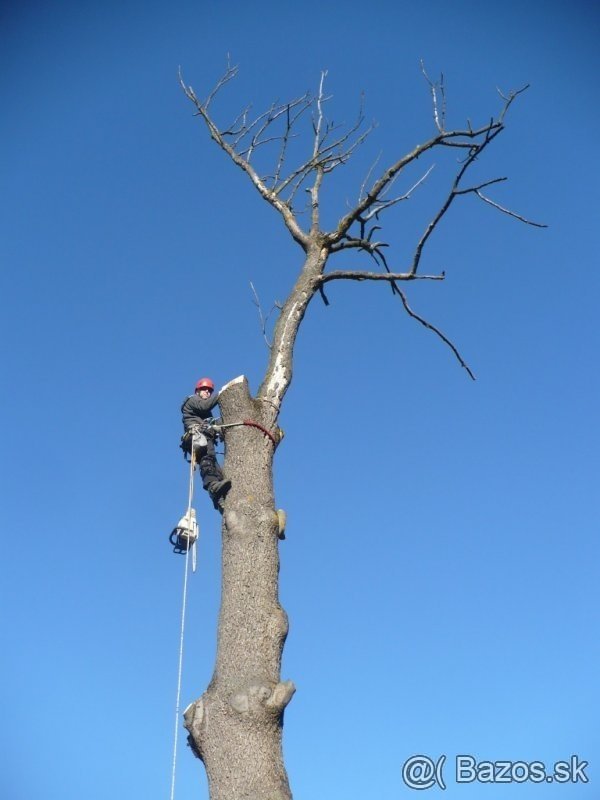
[
  {"x": 193, "y": 437},
  {"x": 274, "y": 437},
  {"x": 197, "y": 433}
]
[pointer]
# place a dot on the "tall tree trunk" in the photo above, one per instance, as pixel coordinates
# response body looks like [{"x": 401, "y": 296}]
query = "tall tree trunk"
[{"x": 236, "y": 726}]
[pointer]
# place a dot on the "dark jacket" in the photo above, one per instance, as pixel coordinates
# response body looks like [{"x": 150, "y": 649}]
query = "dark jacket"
[{"x": 195, "y": 409}]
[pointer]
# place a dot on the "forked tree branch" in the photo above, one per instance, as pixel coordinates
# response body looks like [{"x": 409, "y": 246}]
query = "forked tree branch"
[
  {"x": 268, "y": 194},
  {"x": 474, "y": 152},
  {"x": 372, "y": 198},
  {"x": 439, "y": 115},
  {"x": 263, "y": 318},
  {"x": 331, "y": 147},
  {"x": 392, "y": 278}
]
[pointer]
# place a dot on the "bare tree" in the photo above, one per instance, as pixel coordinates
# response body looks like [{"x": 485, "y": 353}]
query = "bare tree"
[{"x": 236, "y": 726}]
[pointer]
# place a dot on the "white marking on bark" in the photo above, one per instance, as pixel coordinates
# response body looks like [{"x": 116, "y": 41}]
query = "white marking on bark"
[
  {"x": 239, "y": 379},
  {"x": 279, "y": 368}
]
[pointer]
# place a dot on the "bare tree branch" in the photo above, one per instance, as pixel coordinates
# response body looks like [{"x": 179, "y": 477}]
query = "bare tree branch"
[
  {"x": 361, "y": 275},
  {"x": 331, "y": 147},
  {"x": 390, "y": 173},
  {"x": 323, "y": 295},
  {"x": 392, "y": 278},
  {"x": 368, "y": 177},
  {"x": 480, "y": 186},
  {"x": 437, "y": 331},
  {"x": 475, "y": 151},
  {"x": 318, "y": 168},
  {"x": 380, "y": 206},
  {"x": 290, "y": 122},
  {"x": 477, "y": 190},
  {"x": 508, "y": 211},
  {"x": 439, "y": 117},
  {"x": 238, "y": 124},
  {"x": 509, "y": 99},
  {"x": 473, "y": 140},
  {"x": 265, "y": 120},
  {"x": 230, "y": 73},
  {"x": 263, "y": 319},
  {"x": 325, "y": 156},
  {"x": 357, "y": 243},
  {"x": 268, "y": 194}
]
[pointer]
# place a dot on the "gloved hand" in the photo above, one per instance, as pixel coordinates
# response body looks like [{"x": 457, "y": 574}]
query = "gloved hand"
[{"x": 219, "y": 433}]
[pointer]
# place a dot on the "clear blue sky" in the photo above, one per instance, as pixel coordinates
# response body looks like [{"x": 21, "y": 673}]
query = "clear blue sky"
[{"x": 441, "y": 566}]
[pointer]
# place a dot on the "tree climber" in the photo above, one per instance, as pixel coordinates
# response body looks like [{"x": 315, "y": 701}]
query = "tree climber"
[{"x": 196, "y": 415}]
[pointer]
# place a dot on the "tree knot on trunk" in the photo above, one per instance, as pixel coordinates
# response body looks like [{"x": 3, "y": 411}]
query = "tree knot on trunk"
[
  {"x": 192, "y": 722},
  {"x": 262, "y": 698}
]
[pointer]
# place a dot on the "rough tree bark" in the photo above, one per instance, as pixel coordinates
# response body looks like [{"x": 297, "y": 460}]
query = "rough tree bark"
[{"x": 236, "y": 726}]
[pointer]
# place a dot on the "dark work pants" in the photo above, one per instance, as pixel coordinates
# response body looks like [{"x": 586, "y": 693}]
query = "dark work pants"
[{"x": 205, "y": 457}]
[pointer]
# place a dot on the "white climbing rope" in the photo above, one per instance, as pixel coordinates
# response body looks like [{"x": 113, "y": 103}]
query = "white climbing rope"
[
  {"x": 189, "y": 509},
  {"x": 182, "y": 631}
]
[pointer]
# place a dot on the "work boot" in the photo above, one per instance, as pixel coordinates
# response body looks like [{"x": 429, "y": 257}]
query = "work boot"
[{"x": 217, "y": 491}]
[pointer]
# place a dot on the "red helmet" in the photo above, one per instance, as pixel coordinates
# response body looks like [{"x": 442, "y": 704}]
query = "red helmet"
[{"x": 205, "y": 383}]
